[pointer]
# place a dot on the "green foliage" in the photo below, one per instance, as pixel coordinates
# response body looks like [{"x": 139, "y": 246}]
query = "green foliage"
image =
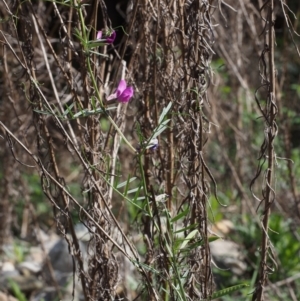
[
  {"x": 37, "y": 197},
  {"x": 16, "y": 290},
  {"x": 19, "y": 252},
  {"x": 296, "y": 162},
  {"x": 285, "y": 246},
  {"x": 227, "y": 291},
  {"x": 171, "y": 236}
]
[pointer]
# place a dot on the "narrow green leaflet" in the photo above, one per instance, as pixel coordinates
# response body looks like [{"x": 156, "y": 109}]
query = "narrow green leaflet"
[
  {"x": 188, "y": 238},
  {"x": 43, "y": 112},
  {"x": 162, "y": 126},
  {"x": 180, "y": 215},
  {"x": 82, "y": 113},
  {"x": 68, "y": 110},
  {"x": 227, "y": 291},
  {"x": 145, "y": 266},
  {"x": 133, "y": 190},
  {"x": 94, "y": 43},
  {"x": 193, "y": 246},
  {"x": 178, "y": 291},
  {"x": 78, "y": 35},
  {"x": 190, "y": 227},
  {"x": 16, "y": 290},
  {"x": 197, "y": 243},
  {"x": 164, "y": 113},
  {"x": 169, "y": 248},
  {"x": 87, "y": 112},
  {"x": 126, "y": 182},
  {"x": 98, "y": 53}
]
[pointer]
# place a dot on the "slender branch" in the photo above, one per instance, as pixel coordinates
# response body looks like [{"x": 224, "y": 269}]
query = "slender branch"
[{"x": 271, "y": 133}]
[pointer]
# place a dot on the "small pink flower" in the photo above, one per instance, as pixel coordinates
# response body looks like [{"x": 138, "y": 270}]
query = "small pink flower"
[
  {"x": 108, "y": 39},
  {"x": 123, "y": 93},
  {"x": 99, "y": 35}
]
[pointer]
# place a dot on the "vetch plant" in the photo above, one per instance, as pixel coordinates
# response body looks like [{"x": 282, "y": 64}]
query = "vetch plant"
[
  {"x": 123, "y": 93},
  {"x": 165, "y": 204}
]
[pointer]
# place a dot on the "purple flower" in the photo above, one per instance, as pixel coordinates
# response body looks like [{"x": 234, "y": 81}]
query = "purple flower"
[
  {"x": 152, "y": 144},
  {"x": 123, "y": 93},
  {"x": 108, "y": 39},
  {"x": 111, "y": 38}
]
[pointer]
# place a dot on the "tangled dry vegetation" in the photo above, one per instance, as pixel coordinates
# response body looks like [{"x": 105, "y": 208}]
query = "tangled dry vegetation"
[{"x": 202, "y": 72}]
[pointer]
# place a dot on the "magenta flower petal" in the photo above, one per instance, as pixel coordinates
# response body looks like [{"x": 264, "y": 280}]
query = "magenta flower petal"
[
  {"x": 123, "y": 93},
  {"x": 112, "y": 96},
  {"x": 99, "y": 35},
  {"x": 126, "y": 95},
  {"x": 121, "y": 87},
  {"x": 111, "y": 38}
]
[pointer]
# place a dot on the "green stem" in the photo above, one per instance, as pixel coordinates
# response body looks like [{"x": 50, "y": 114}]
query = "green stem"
[
  {"x": 144, "y": 185},
  {"x": 90, "y": 71},
  {"x": 121, "y": 134}
]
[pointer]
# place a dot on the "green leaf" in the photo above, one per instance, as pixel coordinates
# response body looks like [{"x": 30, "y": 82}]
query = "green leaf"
[
  {"x": 94, "y": 44},
  {"x": 160, "y": 128},
  {"x": 213, "y": 238},
  {"x": 133, "y": 190},
  {"x": 180, "y": 215},
  {"x": 190, "y": 227},
  {"x": 227, "y": 291},
  {"x": 43, "y": 112},
  {"x": 188, "y": 238},
  {"x": 98, "y": 53},
  {"x": 16, "y": 290},
  {"x": 199, "y": 243},
  {"x": 145, "y": 266},
  {"x": 68, "y": 110},
  {"x": 78, "y": 35},
  {"x": 86, "y": 112},
  {"x": 193, "y": 246},
  {"x": 126, "y": 182},
  {"x": 137, "y": 193},
  {"x": 169, "y": 248},
  {"x": 164, "y": 113},
  {"x": 93, "y": 102}
]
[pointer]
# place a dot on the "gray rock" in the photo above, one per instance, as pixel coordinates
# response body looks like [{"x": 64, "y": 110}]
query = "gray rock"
[{"x": 227, "y": 255}]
